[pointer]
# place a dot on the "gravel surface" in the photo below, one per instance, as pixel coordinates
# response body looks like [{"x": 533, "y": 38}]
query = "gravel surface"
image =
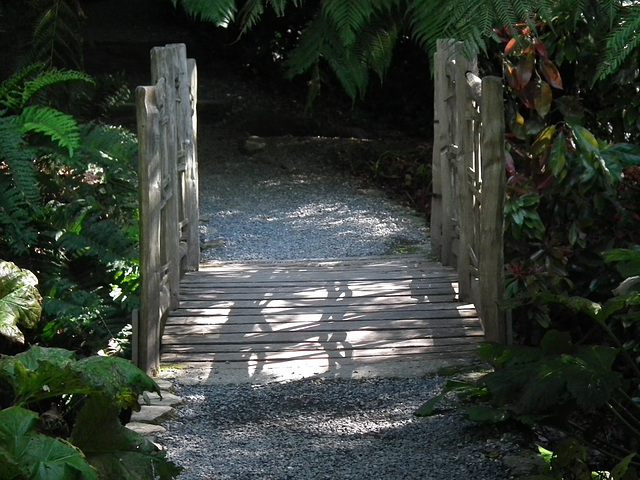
[
  {"x": 285, "y": 201},
  {"x": 327, "y": 429}
]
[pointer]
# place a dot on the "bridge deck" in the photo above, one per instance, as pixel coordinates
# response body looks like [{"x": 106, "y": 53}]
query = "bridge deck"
[{"x": 343, "y": 318}]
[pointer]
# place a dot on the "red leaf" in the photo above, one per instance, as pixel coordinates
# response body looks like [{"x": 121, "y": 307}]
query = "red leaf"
[
  {"x": 510, "y": 46},
  {"x": 551, "y": 74},
  {"x": 542, "y": 50},
  {"x": 525, "y": 68},
  {"x": 543, "y": 100}
]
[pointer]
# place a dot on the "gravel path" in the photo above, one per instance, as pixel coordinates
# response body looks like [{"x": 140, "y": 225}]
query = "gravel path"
[
  {"x": 327, "y": 429},
  {"x": 286, "y": 202}
]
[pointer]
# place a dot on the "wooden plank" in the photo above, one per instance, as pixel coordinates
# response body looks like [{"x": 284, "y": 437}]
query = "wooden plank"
[
  {"x": 189, "y": 352},
  {"x": 425, "y": 310},
  {"x": 353, "y": 337},
  {"x": 441, "y": 327},
  {"x": 192, "y": 209},
  {"x": 382, "y": 319},
  {"x": 308, "y": 313}
]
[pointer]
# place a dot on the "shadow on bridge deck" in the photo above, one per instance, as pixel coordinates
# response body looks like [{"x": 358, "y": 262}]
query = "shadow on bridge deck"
[{"x": 272, "y": 321}]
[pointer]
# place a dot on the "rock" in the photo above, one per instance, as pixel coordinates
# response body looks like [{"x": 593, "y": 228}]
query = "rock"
[
  {"x": 152, "y": 414},
  {"x": 253, "y": 144}
]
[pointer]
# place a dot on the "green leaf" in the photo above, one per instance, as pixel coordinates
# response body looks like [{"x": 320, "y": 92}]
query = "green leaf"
[
  {"x": 20, "y": 301},
  {"x": 115, "y": 377},
  {"x": 558, "y": 157},
  {"x": 543, "y": 101},
  {"x": 44, "y": 458},
  {"x": 427, "y": 408},
  {"x": 38, "y": 373},
  {"x": 621, "y": 468},
  {"x": 555, "y": 342},
  {"x": 486, "y": 414},
  {"x": 114, "y": 450},
  {"x": 58, "y": 126}
]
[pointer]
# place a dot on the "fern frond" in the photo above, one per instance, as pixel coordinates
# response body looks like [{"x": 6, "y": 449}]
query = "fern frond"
[
  {"x": 308, "y": 51},
  {"x": 427, "y": 22},
  {"x": 249, "y": 14},
  {"x": 56, "y": 39},
  {"x": 51, "y": 78},
  {"x": 19, "y": 159},
  {"x": 219, "y": 12},
  {"x": 348, "y": 17},
  {"x": 11, "y": 90},
  {"x": 58, "y": 126},
  {"x": 380, "y": 43},
  {"x": 17, "y": 233},
  {"x": 622, "y": 42}
]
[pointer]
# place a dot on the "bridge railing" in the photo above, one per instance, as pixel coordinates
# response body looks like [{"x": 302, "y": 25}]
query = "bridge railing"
[
  {"x": 467, "y": 217},
  {"x": 168, "y": 179}
]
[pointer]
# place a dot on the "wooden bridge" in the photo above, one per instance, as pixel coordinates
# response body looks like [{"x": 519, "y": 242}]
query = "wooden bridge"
[{"x": 400, "y": 315}]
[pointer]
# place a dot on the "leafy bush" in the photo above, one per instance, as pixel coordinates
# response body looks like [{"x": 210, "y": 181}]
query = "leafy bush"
[
  {"x": 567, "y": 197},
  {"x": 61, "y": 418},
  {"x": 68, "y": 211}
]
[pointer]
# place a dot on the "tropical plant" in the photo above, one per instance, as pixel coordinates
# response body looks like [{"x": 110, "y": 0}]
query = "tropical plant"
[
  {"x": 358, "y": 38},
  {"x": 588, "y": 390},
  {"x": 20, "y": 301},
  {"x": 61, "y": 418},
  {"x": 68, "y": 210}
]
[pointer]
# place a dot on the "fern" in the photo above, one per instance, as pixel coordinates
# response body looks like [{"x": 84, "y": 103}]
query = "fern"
[
  {"x": 57, "y": 126},
  {"x": 622, "y": 42},
  {"x": 219, "y": 12},
  {"x": 17, "y": 91},
  {"x": 56, "y": 39},
  {"x": 348, "y": 17},
  {"x": 17, "y": 234}
]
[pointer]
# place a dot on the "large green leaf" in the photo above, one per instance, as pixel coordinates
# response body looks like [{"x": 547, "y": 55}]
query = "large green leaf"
[
  {"x": 117, "y": 378},
  {"x": 20, "y": 301},
  {"x": 39, "y": 373},
  {"x": 27, "y": 453},
  {"x": 114, "y": 450}
]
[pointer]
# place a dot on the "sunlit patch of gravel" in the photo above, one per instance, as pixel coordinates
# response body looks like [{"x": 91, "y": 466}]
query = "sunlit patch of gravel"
[
  {"x": 326, "y": 429},
  {"x": 288, "y": 202}
]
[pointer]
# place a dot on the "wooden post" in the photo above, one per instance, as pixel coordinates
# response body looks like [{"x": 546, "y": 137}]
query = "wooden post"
[
  {"x": 463, "y": 139},
  {"x": 168, "y": 179},
  {"x": 150, "y": 176},
  {"x": 164, "y": 62},
  {"x": 442, "y": 228},
  {"x": 192, "y": 210},
  {"x": 491, "y": 241}
]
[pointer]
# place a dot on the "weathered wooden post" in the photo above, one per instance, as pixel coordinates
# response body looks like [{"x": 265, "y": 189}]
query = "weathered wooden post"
[
  {"x": 463, "y": 138},
  {"x": 169, "y": 240},
  {"x": 491, "y": 241},
  {"x": 467, "y": 219}
]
